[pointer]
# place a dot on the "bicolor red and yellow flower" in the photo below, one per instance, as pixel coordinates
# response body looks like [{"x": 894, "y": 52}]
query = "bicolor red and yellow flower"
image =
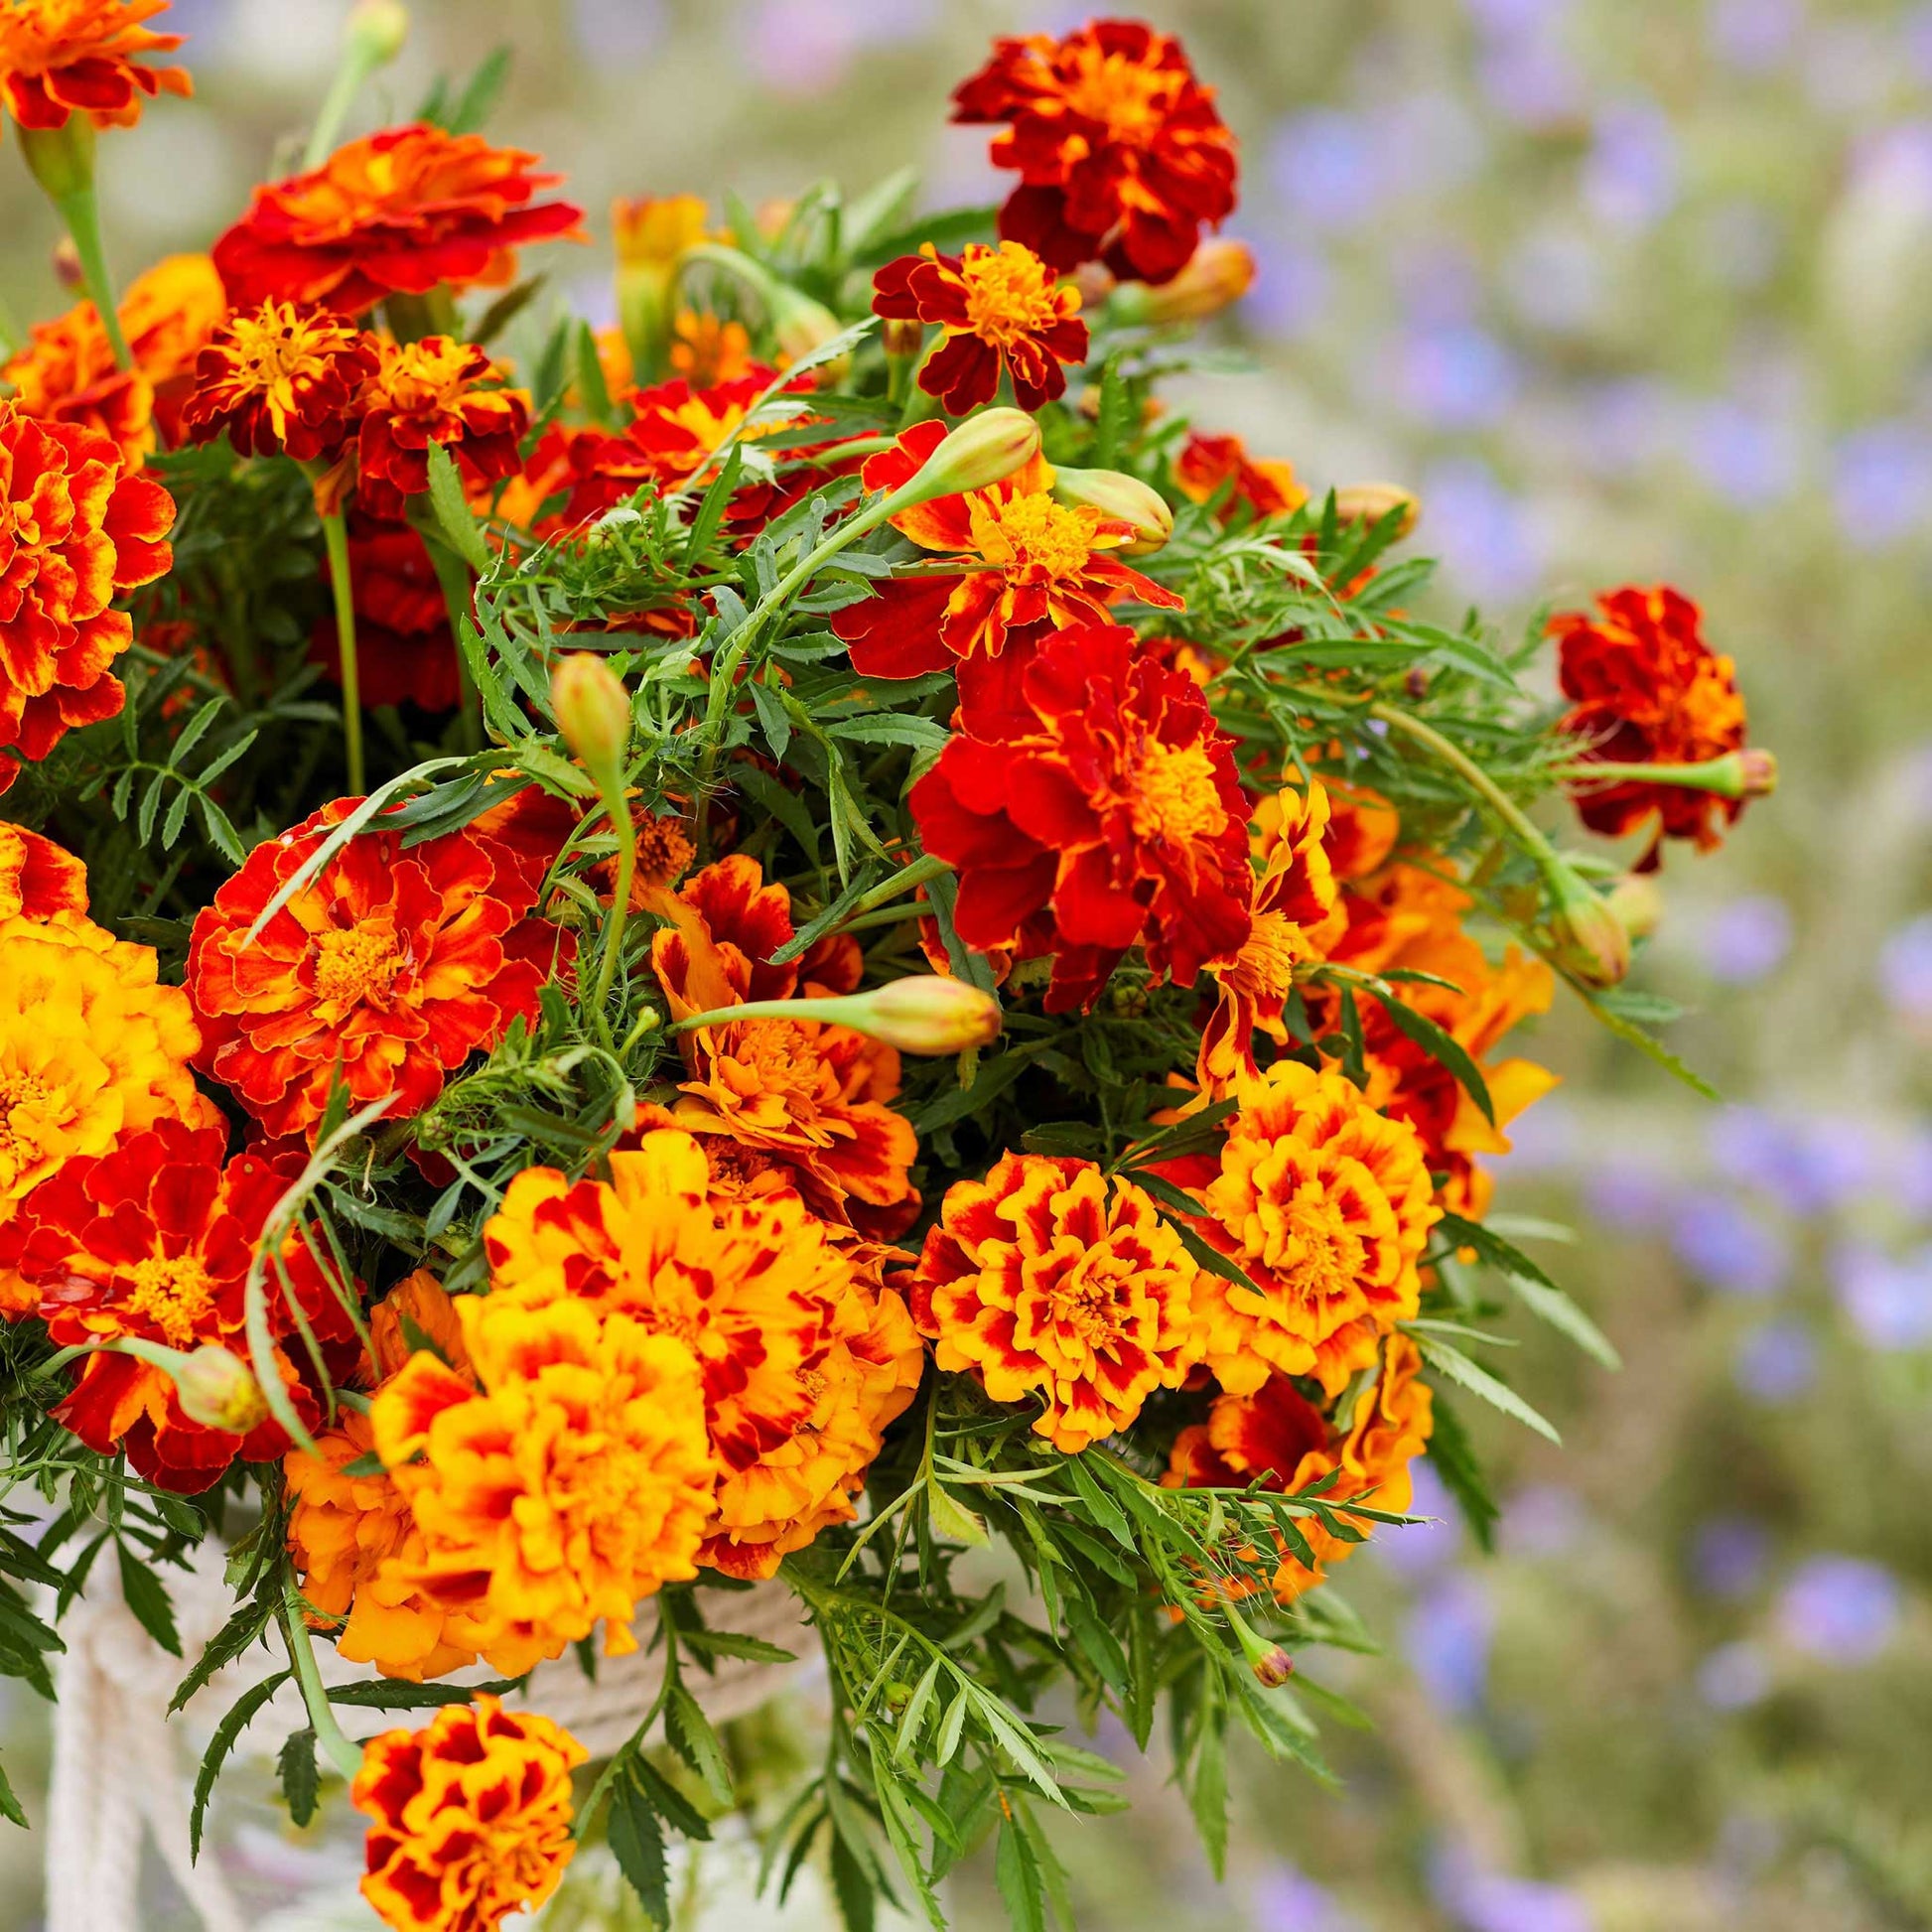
[
  {"x": 278, "y": 381},
  {"x": 60, "y": 57},
  {"x": 436, "y": 390},
  {"x": 1208, "y": 464},
  {"x": 37, "y": 879}
]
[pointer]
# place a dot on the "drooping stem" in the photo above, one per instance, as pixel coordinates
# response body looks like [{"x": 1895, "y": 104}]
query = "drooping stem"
[
  {"x": 1465, "y": 768},
  {"x": 334, "y": 536},
  {"x": 315, "y": 1695}
]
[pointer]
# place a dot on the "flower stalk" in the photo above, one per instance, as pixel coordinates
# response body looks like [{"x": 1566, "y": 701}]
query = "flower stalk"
[
  {"x": 334, "y": 538},
  {"x": 373, "y": 37},
  {"x": 62, "y": 160}
]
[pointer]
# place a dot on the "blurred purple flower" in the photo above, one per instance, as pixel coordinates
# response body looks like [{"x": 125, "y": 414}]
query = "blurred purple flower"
[
  {"x": 1729, "y": 1555},
  {"x": 1511, "y": 19},
  {"x": 1454, "y": 377},
  {"x": 1555, "y": 278},
  {"x": 1741, "y": 452},
  {"x": 1915, "y": 30},
  {"x": 1283, "y": 1900},
  {"x": 1840, "y": 1610},
  {"x": 615, "y": 32},
  {"x": 1544, "y": 1519},
  {"x": 1488, "y": 1901},
  {"x": 1486, "y": 529},
  {"x": 1778, "y": 1362},
  {"x": 1747, "y": 940},
  {"x": 1908, "y": 1172},
  {"x": 1291, "y": 289},
  {"x": 803, "y": 47},
  {"x": 1882, "y": 485},
  {"x": 1735, "y": 1677},
  {"x": 1754, "y": 34},
  {"x": 1446, "y": 1639},
  {"x": 1905, "y": 969},
  {"x": 1805, "y": 1165},
  {"x": 1417, "y": 1550},
  {"x": 1630, "y": 1196},
  {"x": 1848, "y": 67},
  {"x": 1428, "y": 143},
  {"x": 1547, "y": 1139},
  {"x": 1631, "y": 178},
  {"x": 1727, "y": 1246},
  {"x": 1633, "y": 423},
  {"x": 1439, "y": 283},
  {"x": 1324, "y": 165},
  {"x": 1889, "y": 1301},
  {"x": 1531, "y": 82}
]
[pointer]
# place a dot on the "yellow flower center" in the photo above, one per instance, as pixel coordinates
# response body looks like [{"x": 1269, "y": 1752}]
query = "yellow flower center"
[
  {"x": 1321, "y": 1256},
  {"x": 24, "y": 1099},
  {"x": 1129, "y": 100},
  {"x": 1009, "y": 294},
  {"x": 1033, "y": 532},
  {"x": 1085, "y": 1300},
  {"x": 1174, "y": 796},
  {"x": 174, "y": 1292},
  {"x": 354, "y": 966},
  {"x": 269, "y": 349},
  {"x": 1266, "y": 964},
  {"x": 426, "y": 375}
]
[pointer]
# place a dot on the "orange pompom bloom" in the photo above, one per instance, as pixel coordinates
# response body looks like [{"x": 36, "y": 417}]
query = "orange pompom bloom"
[
  {"x": 1121, "y": 157},
  {"x": 1032, "y": 566},
  {"x": 1647, "y": 689},
  {"x": 37, "y": 878},
  {"x": 571, "y": 1481},
  {"x": 280, "y": 381},
  {"x": 434, "y": 392},
  {"x": 1325, "y": 1206},
  {"x": 83, "y": 57},
  {"x": 471, "y": 1816},
  {"x": 1048, "y": 1279},
  {"x": 76, "y": 530},
  {"x": 999, "y": 312},
  {"x": 1279, "y": 1435},
  {"x": 393, "y": 966},
  {"x": 708, "y": 350},
  {"x": 1207, "y": 464},
  {"x": 393, "y": 213}
]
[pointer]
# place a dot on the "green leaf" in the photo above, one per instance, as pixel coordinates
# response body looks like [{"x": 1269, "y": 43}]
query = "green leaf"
[
  {"x": 301, "y": 1780},
  {"x": 1207, "y": 1790},
  {"x": 1452, "y": 1457},
  {"x": 1537, "y": 1292},
  {"x": 148, "y": 1600},
  {"x": 220, "y": 1744},
  {"x": 913, "y": 1718},
  {"x": 951, "y": 1519},
  {"x": 1116, "y": 417},
  {"x": 688, "y": 1732},
  {"x": 1017, "y": 1874},
  {"x": 732, "y": 1643},
  {"x": 243, "y": 1628},
  {"x": 9, "y": 1804},
  {"x": 452, "y": 513},
  {"x": 474, "y": 104},
  {"x": 852, "y": 1887},
  {"x": 637, "y": 1843},
  {"x": 1446, "y": 1360},
  {"x": 392, "y": 1694},
  {"x": 667, "y": 1800},
  {"x": 1439, "y": 1044},
  {"x": 1626, "y": 1030}
]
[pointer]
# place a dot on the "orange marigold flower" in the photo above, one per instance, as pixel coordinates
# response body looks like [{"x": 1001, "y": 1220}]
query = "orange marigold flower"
[
  {"x": 571, "y": 1481},
  {"x": 1324, "y": 1204},
  {"x": 1647, "y": 689},
  {"x": 66, "y": 372},
  {"x": 83, "y": 57},
  {"x": 811, "y": 1095},
  {"x": 1121, "y": 155},
  {"x": 1277, "y": 1436},
  {"x": 393, "y": 213},
  {"x": 37, "y": 878},
  {"x": 1089, "y": 801},
  {"x": 1291, "y": 919},
  {"x": 708, "y": 350},
  {"x": 1033, "y": 566},
  {"x": 280, "y": 380},
  {"x": 999, "y": 311},
  {"x": 436, "y": 390},
  {"x": 404, "y": 650},
  {"x": 1049, "y": 1280},
  {"x": 391, "y": 967},
  {"x": 76, "y": 530},
  {"x": 471, "y": 1816},
  {"x": 1208, "y": 464},
  {"x": 154, "y": 1240}
]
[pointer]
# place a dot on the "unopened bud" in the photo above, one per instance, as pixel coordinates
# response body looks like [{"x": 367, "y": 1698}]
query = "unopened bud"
[
  {"x": 1094, "y": 282},
  {"x": 67, "y": 264},
  {"x": 1370, "y": 503},
  {"x": 1272, "y": 1668},
  {"x": 1218, "y": 274},
  {"x": 1761, "y": 772},
  {"x": 799, "y": 326},
  {"x": 929, "y": 1014},
  {"x": 1588, "y": 940},
  {"x": 376, "y": 30},
  {"x": 1124, "y": 498},
  {"x": 218, "y": 1390},
  {"x": 61, "y": 159},
  {"x": 593, "y": 713},
  {"x": 901, "y": 337},
  {"x": 984, "y": 450},
  {"x": 1637, "y": 903}
]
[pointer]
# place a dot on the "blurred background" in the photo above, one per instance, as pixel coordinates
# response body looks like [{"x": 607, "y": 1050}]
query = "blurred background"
[{"x": 1628, "y": 290}]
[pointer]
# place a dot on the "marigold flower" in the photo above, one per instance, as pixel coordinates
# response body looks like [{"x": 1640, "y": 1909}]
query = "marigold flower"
[
  {"x": 393, "y": 213},
  {"x": 434, "y": 392},
  {"x": 573, "y": 1479},
  {"x": 1034, "y": 566},
  {"x": 37, "y": 878},
  {"x": 708, "y": 350},
  {"x": 76, "y": 530},
  {"x": 393, "y": 966},
  {"x": 1089, "y": 800},
  {"x": 1048, "y": 1279},
  {"x": 1324, "y": 1203},
  {"x": 154, "y": 1240},
  {"x": 403, "y": 647},
  {"x": 1647, "y": 689},
  {"x": 1207, "y": 464},
  {"x": 1000, "y": 311},
  {"x": 278, "y": 381},
  {"x": 1217, "y": 275},
  {"x": 1277, "y": 1436},
  {"x": 1121, "y": 155},
  {"x": 471, "y": 1816},
  {"x": 66, "y": 57}
]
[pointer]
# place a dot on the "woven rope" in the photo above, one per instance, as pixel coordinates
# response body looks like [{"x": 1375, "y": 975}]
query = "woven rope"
[{"x": 124, "y": 1769}]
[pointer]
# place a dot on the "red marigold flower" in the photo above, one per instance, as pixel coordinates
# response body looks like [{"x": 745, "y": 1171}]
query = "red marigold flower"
[
  {"x": 434, "y": 392},
  {"x": 393, "y": 966},
  {"x": 1048, "y": 1279},
  {"x": 152, "y": 1240},
  {"x": 75, "y": 529},
  {"x": 280, "y": 381},
  {"x": 471, "y": 1816},
  {"x": 999, "y": 308},
  {"x": 1035, "y": 566},
  {"x": 1647, "y": 689},
  {"x": 393, "y": 213},
  {"x": 1089, "y": 800},
  {"x": 1121, "y": 155},
  {"x": 37, "y": 878},
  {"x": 403, "y": 646},
  {"x": 1207, "y": 464},
  {"x": 81, "y": 56}
]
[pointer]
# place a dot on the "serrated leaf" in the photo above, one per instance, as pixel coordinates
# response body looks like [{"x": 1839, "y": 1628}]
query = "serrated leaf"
[
  {"x": 1452, "y": 1457},
  {"x": 1451, "y": 1361},
  {"x": 451, "y": 512},
  {"x": 1017, "y": 1874},
  {"x": 1440, "y": 1045},
  {"x": 637, "y": 1843},
  {"x": 1532, "y": 1285},
  {"x": 232, "y": 1725},
  {"x": 392, "y": 1693},
  {"x": 242, "y": 1629},
  {"x": 1207, "y": 1794},
  {"x": 688, "y": 1732},
  {"x": 147, "y": 1597},
  {"x": 9, "y": 1804},
  {"x": 951, "y": 1519},
  {"x": 296, "y": 1766},
  {"x": 734, "y": 1643}
]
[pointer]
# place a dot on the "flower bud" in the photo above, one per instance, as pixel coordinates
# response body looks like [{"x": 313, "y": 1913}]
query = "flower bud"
[
  {"x": 593, "y": 713},
  {"x": 984, "y": 450},
  {"x": 1637, "y": 903},
  {"x": 901, "y": 337},
  {"x": 1124, "y": 498},
  {"x": 1218, "y": 274},
  {"x": 67, "y": 264},
  {"x": 61, "y": 159},
  {"x": 1094, "y": 282},
  {"x": 1370, "y": 503},
  {"x": 1587, "y": 939},
  {"x": 217, "y": 1389},
  {"x": 1272, "y": 1668},
  {"x": 1761, "y": 772},
  {"x": 929, "y": 1014},
  {"x": 375, "y": 30}
]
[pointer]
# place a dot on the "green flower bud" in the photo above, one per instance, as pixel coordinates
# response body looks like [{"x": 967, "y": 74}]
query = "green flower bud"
[
  {"x": 984, "y": 450},
  {"x": 1127, "y": 499}
]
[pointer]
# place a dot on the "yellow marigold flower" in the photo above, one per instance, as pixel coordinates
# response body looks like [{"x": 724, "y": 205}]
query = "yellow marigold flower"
[
  {"x": 1325, "y": 1206},
  {"x": 573, "y": 1481},
  {"x": 1047, "y": 1279},
  {"x": 471, "y": 1816}
]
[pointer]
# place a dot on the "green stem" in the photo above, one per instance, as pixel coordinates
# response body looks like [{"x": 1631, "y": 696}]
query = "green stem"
[
  {"x": 334, "y": 536},
  {"x": 1506, "y": 808},
  {"x": 80, "y": 211},
  {"x": 835, "y": 1009},
  {"x": 1722, "y": 775},
  {"x": 626, "y": 828},
  {"x": 453, "y": 574},
  {"x": 907, "y": 878},
  {"x": 347, "y": 1758}
]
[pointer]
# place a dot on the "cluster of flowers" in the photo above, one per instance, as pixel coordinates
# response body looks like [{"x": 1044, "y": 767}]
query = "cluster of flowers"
[{"x": 685, "y": 1351}]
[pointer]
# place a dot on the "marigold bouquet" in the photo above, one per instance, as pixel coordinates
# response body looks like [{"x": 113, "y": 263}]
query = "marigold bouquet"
[{"x": 800, "y": 943}]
